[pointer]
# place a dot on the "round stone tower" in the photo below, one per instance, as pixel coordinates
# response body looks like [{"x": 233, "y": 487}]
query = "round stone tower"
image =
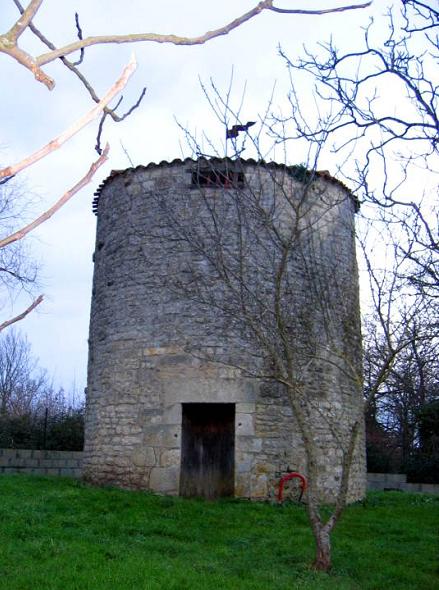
[{"x": 217, "y": 284}]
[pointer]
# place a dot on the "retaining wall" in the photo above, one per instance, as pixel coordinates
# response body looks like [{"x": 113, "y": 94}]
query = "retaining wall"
[
  {"x": 398, "y": 481},
  {"x": 67, "y": 463}
]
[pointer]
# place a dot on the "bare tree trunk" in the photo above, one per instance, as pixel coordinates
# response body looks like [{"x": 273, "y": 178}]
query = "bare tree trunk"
[
  {"x": 322, "y": 539},
  {"x": 321, "y": 532}
]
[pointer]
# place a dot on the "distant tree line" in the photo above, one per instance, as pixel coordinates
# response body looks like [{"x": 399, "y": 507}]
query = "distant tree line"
[
  {"x": 33, "y": 413},
  {"x": 402, "y": 421}
]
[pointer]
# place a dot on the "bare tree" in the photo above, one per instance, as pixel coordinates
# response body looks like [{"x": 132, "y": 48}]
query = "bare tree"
[
  {"x": 33, "y": 413},
  {"x": 410, "y": 382},
  {"x": 17, "y": 271},
  {"x": 377, "y": 111},
  {"x": 21, "y": 383},
  {"x": 378, "y": 107},
  {"x": 353, "y": 85},
  {"x": 250, "y": 283}
]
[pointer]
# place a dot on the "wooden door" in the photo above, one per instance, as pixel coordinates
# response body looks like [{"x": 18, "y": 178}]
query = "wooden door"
[{"x": 208, "y": 450}]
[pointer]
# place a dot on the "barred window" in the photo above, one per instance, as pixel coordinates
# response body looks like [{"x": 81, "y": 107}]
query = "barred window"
[{"x": 213, "y": 177}]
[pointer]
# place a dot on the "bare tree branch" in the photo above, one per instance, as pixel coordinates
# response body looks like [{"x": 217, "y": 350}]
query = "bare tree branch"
[
  {"x": 72, "y": 67},
  {"x": 320, "y": 12},
  {"x": 22, "y": 315},
  {"x": 9, "y": 46},
  {"x": 24, "y": 21},
  {"x": 57, "y": 142},
  {"x": 180, "y": 40},
  {"x": 18, "y": 235}
]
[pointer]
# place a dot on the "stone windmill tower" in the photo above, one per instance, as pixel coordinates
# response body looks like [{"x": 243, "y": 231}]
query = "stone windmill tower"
[{"x": 161, "y": 415}]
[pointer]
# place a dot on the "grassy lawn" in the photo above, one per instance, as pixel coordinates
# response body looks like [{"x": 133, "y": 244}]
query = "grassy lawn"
[{"x": 60, "y": 534}]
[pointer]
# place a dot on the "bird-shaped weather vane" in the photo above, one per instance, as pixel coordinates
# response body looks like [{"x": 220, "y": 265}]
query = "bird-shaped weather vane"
[{"x": 235, "y": 130}]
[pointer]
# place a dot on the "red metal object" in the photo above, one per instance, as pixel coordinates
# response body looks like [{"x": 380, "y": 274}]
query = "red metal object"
[{"x": 287, "y": 477}]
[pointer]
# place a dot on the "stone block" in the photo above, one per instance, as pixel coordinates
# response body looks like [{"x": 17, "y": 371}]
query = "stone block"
[
  {"x": 188, "y": 389},
  {"x": 32, "y": 462},
  {"x": 259, "y": 487},
  {"x": 70, "y": 464},
  {"x": 249, "y": 444},
  {"x": 395, "y": 478},
  {"x": 376, "y": 476},
  {"x": 9, "y": 453},
  {"x": 244, "y": 461},
  {"x": 46, "y": 463},
  {"x": 164, "y": 479},
  {"x": 23, "y": 454},
  {"x": 244, "y": 424},
  {"x": 17, "y": 462},
  {"x": 151, "y": 416},
  {"x": 374, "y": 485},
  {"x": 242, "y": 485},
  {"x": 172, "y": 414},
  {"x": 144, "y": 457},
  {"x": 246, "y": 408},
  {"x": 166, "y": 436},
  {"x": 244, "y": 466},
  {"x": 170, "y": 458},
  {"x": 430, "y": 488}
]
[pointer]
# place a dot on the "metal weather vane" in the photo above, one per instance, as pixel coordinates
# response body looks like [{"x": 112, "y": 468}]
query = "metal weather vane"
[{"x": 236, "y": 129}]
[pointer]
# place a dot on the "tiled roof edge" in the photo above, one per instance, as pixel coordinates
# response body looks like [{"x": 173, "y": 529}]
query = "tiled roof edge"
[{"x": 116, "y": 173}]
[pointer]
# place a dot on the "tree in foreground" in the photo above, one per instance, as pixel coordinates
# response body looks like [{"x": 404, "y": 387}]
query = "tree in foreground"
[{"x": 401, "y": 294}]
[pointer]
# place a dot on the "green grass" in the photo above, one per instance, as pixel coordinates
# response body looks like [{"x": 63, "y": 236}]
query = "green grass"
[{"x": 58, "y": 534}]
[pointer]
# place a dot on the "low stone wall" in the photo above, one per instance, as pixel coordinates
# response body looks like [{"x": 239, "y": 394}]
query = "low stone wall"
[
  {"x": 67, "y": 463},
  {"x": 398, "y": 481}
]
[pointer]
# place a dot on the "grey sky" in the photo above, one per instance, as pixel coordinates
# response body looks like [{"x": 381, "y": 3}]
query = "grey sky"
[{"x": 32, "y": 115}]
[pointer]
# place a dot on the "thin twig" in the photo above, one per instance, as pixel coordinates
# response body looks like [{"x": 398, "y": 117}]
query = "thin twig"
[{"x": 80, "y": 36}]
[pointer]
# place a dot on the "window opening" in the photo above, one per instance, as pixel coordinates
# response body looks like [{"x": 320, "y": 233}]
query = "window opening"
[{"x": 222, "y": 178}]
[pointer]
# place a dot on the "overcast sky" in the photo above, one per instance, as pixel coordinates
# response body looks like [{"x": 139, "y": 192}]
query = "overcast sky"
[{"x": 31, "y": 115}]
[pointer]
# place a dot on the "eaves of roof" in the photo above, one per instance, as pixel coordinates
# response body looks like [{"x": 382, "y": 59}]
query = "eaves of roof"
[{"x": 216, "y": 161}]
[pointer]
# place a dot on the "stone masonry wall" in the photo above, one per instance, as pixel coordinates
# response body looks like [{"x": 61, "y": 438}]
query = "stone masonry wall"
[{"x": 140, "y": 373}]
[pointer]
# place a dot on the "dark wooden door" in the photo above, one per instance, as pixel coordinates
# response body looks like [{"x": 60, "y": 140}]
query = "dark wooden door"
[{"x": 208, "y": 450}]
